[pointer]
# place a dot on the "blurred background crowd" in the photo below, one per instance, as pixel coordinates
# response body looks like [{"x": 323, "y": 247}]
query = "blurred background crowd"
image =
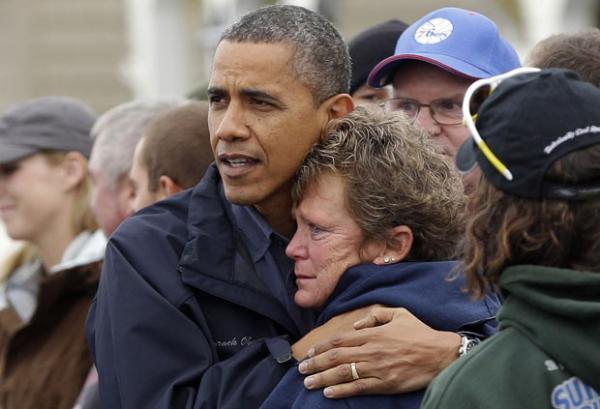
[{"x": 106, "y": 52}]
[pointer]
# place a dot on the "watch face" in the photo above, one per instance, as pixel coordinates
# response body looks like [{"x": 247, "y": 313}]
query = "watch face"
[
  {"x": 467, "y": 344},
  {"x": 471, "y": 344}
]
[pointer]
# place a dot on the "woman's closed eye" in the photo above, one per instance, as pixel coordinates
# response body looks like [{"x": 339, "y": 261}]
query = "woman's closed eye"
[{"x": 315, "y": 230}]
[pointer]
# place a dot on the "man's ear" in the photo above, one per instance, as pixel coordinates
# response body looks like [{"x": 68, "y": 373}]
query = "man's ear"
[
  {"x": 125, "y": 197},
  {"x": 397, "y": 247},
  {"x": 339, "y": 106},
  {"x": 334, "y": 107},
  {"x": 167, "y": 187}
]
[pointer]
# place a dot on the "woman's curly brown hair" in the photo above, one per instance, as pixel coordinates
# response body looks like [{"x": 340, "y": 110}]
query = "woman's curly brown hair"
[
  {"x": 393, "y": 175},
  {"x": 507, "y": 230}
]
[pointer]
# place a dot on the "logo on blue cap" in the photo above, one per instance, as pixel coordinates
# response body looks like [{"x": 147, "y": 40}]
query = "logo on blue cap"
[{"x": 434, "y": 31}]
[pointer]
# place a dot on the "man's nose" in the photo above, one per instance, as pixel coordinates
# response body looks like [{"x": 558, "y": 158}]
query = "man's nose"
[
  {"x": 232, "y": 124},
  {"x": 426, "y": 121}
]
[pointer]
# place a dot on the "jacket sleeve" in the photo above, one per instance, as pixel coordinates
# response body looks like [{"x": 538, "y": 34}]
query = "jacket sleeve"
[{"x": 154, "y": 350}]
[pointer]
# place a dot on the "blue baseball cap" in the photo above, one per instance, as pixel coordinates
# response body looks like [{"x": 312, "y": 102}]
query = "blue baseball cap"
[{"x": 462, "y": 42}]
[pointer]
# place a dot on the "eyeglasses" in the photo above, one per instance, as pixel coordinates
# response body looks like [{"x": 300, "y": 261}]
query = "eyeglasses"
[
  {"x": 474, "y": 97},
  {"x": 444, "y": 111}
]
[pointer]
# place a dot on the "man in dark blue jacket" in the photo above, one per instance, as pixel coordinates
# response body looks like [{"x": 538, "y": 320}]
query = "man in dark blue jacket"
[{"x": 194, "y": 308}]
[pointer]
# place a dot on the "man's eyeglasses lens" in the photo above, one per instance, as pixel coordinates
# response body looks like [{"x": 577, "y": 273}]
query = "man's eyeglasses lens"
[{"x": 443, "y": 111}]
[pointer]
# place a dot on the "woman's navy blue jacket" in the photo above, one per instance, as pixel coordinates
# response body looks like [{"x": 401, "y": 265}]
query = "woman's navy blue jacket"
[
  {"x": 420, "y": 287},
  {"x": 182, "y": 318}
]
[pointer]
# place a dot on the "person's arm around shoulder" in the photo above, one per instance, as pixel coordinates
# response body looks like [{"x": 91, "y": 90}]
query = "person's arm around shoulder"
[{"x": 393, "y": 352}]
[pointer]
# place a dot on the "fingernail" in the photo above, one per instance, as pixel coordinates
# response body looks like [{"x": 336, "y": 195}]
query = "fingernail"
[
  {"x": 311, "y": 353},
  {"x": 309, "y": 382},
  {"x": 328, "y": 392},
  {"x": 303, "y": 367}
]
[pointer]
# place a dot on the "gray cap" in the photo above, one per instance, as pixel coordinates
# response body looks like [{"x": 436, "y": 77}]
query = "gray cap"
[{"x": 48, "y": 123}]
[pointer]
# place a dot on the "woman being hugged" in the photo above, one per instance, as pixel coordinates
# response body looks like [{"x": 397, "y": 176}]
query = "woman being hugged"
[
  {"x": 47, "y": 286},
  {"x": 379, "y": 213}
]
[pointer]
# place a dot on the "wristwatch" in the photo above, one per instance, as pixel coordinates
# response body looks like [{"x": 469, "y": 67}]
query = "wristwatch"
[{"x": 467, "y": 344}]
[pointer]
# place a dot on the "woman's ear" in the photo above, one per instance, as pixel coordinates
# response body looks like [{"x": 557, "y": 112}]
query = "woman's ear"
[
  {"x": 397, "y": 247},
  {"x": 74, "y": 170}
]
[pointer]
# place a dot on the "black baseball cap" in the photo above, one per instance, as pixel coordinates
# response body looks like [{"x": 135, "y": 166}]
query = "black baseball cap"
[
  {"x": 47, "y": 123},
  {"x": 529, "y": 122},
  {"x": 371, "y": 46}
]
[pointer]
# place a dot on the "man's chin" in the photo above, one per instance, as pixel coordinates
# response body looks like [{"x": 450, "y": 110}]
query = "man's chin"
[{"x": 241, "y": 198}]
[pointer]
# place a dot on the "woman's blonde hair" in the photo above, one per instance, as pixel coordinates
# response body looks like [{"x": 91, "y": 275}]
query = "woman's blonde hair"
[
  {"x": 22, "y": 255},
  {"x": 82, "y": 218}
]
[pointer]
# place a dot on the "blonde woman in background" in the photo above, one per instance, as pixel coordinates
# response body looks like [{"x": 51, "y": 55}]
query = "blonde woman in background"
[{"x": 47, "y": 286}]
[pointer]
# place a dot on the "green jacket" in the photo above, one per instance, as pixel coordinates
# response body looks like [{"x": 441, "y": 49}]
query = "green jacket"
[{"x": 546, "y": 353}]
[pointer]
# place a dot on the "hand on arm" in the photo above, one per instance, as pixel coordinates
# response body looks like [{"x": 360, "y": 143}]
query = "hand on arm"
[
  {"x": 338, "y": 324},
  {"x": 393, "y": 350}
]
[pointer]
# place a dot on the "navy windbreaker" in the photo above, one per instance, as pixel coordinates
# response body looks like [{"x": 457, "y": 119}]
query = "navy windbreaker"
[
  {"x": 420, "y": 287},
  {"x": 181, "y": 318}
]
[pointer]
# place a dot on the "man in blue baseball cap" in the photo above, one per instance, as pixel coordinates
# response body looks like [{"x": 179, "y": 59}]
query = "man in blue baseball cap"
[{"x": 435, "y": 60}]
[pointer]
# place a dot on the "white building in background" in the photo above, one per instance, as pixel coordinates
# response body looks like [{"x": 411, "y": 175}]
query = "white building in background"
[
  {"x": 109, "y": 51},
  {"x": 172, "y": 41},
  {"x": 62, "y": 47},
  {"x": 557, "y": 16}
]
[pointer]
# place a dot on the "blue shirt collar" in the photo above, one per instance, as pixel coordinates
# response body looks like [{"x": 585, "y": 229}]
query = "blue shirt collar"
[{"x": 256, "y": 229}]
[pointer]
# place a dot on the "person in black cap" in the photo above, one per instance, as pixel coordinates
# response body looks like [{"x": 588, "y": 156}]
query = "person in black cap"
[
  {"x": 534, "y": 234},
  {"x": 366, "y": 50},
  {"x": 48, "y": 286}
]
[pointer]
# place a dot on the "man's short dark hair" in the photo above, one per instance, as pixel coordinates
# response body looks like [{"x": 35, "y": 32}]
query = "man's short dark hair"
[
  {"x": 177, "y": 144},
  {"x": 320, "y": 60}
]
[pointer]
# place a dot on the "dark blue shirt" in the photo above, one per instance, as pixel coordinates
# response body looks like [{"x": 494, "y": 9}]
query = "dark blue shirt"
[{"x": 267, "y": 250}]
